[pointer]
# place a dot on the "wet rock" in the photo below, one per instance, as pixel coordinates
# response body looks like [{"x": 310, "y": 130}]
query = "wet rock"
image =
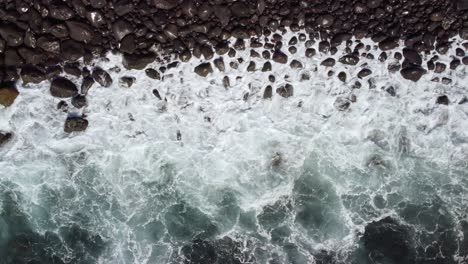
[
  {"x": 75, "y": 124},
  {"x": 280, "y": 57},
  {"x": 268, "y": 93},
  {"x": 86, "y": 84},
  {"x": 219, "y": 63},
  {"x": 203, "y": 69},
  {"x": 185, "y": 56},
  {"x": 443, "y": 99},
  {"x": 156, "y": 93},
  {"x": 72, "y": 50},
  {"x": 126, "y": 81},
  {"x": 5, "y": 138},
  {"x": 285, "y": 91},
  {"x": 123, "y": 7},
  {"x": 413, "y": 73},
  {"x": 102, "y": 77},
  {"x": 266, "y": 55},
  {"x": 310, "y": 52},
  {"x": 239, "y": 44},
  {"x": 329, "y": 62},
  {"x": 153, "y": 74},
  {"x": 412, "y": 56},
  {"x": 138, "y": 61},
  {"x": 394, "y": 67},
  {"x": 388, "y": 44},
  {"x": 342, "y": 103},
  {"x": 389, "y": 239},
  {"x": 121, "y": 28},
  {"x": 364, "y": 73},
  {"x": 98, "y": 3},
  {"x": 207, "y": 52},
  {"x": 382, "y": 57},
  {"x": 342, "y": 76},
  {"x": 61, "y": 12},
  {"x": 251, "y": 67},
  {"x": 324, "y": 46},
  {"x": 12, "y": 58},
  {"x": 166, "y": 4},
  {"x": 349, "y": 60},
  {"x": 79, "y": 101},
  {"x": 59, "y": 31},
  {"x": 325, "y": 21},
  {"x": 49, "y": 44},
  {"x": 11, "y": 34},
  {"x": 459, "y": 52},
  {"x": 79, "y": 31},
  {"x": 454, "y": 64},
  {"x": 266, "y": 67},
  {"x": 271, "y": 78},
  {"x": 32, "y": 74},
  {"x": 295, "y": 64},
  {"x": 465, "y": 60},
  {"x": 8, "y": 94},
  {"x": 72, "y": 69},
  {"x": 439, "y": 67},
  {"x": 62, "y": 88},
  {"x": 226, "y": 82}
]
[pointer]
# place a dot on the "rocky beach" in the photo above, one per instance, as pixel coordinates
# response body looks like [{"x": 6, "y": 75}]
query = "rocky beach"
[{"x": 224, "y": 131}]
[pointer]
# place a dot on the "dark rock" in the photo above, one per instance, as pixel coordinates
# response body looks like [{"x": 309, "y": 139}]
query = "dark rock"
[
  {"x": 349, "y": 59},
  {"x": 166, "y": 4},
  {"x": 127, "y": 45},
  {"x": 59, "y": 31},
  {"x": 342, "y": 76},
  {"x": 11, "y": 34},
  {"x": 329, "y": 62},
  {"x": 79, "y": 31},
  {"x": 5, "y": 138},
  {"x": 32, "y": 56},
  {"x": 266, "y": 55},
  {"x": 203, "y": 69},
  {"x": 12, "y": 58},
  {"x": 219, "y": 63},
  {"x": 439, "y": 67},
  {"x": 413, "y": 73},
  {"x": 394, "y": 67},
  {"x": 295, "y": 64},
  {"x": 207, "y": 52},
  {"x": 383, "y": 57},
  {"x": 138, "y": 61},
  {"x": 72, "y": 50},
  {"x": 32, "y": 74},
  {"x": 459, "y": 52},
  {"x": 86, "y": 84},
  {"x": 412, "y": 56},
  {"x": 95, "y": 18},
  {"x": 62, "y": 88},
  {"x": 266, "y": 67},
  {"x": 342, "y": 103},
  {"x": 98, "y": 3},
  {"x": 310, "y": 52},
  {"x": 280, "y": 57},
  {"x": 268, "y": 93},
  {"x": 123, "y": 7},
  {"x": 454, "y": 64},
  {"x": 102, "y": 77},
  {"x": 443, "y": 99},
  {"x": 75, "y": 124},
  {"x": 185, "y": 56},
  {"x": 364, "y": 73},
  {"x": 72, "y": 69},
  {"x": 226, "y": 82},
  {"x": 465, "y": 60},
  {"x": 156, "y": 93},
  {"x": 79, "y": 101},
  {"x": 251, "y": 66},
  {"x": 325, "y": 21},
  {"x": 49, "y": 44},
  {"x": 153, "y": 74},
  {"x": 271, "y": 78},
  {"x": 126, "y": 81},
  {"x": 61, "y": 12},
  {"x": 285, "y": 91},
  {"x": 388, "y": 44},
  {"x": 121, "y": 28},
  {"x": 8, "y": 94}
]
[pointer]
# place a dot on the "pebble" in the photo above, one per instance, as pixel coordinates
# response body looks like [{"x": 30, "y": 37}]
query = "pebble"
[
  {"x": 75, "y": 124},
  {"x": 349, "y": 59},
  {"x": 203, "y": 69},
  {"x": 280, "y": 57},
  {"x": 329, "y": 62},
  {"x": 62, "y": 88},
  {"x": 295, "y": 64},
  {"x": 153, "y": 74},
  {"x": 266, "y": 67},
  {"x": 413, "y": 73},
  {"x": 364, "y": 73}
]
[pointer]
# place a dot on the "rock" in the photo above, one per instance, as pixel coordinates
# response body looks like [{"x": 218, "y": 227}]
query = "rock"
[
  {"x": 443, "y": 99},
  {"x": 49, "y": 44},
  {"x": 454, "y": 64},
  {"x": 72, "y": 50},
  {"x": 137, "y": 61},
  {"x": 349, "y": 59},
  {"x": 329, "y": 62},
  {"x": 203, "y": 69},
  {"x": 219, "y": 63},
  {"x": 268, "y": 93},
  {"x": 185, "y": 56},
  {"x": 207, "y": 52},
  {"x": 342, "y": 103},
  {"x": 295, "y": 64},
  {"x": 79, "y": 101},
  {"x": 364, "y": 73},
  {"x": 387, "y": 238},
  {"x": 79, "y": 31},
  {"x": 266, "y": 55},
  {"x": 63, "y": 88},
  {"x": 251, "y": 66},
  {"x": 310, "y": 52},
  {"x": 8, "y": 94},
  {"x": 342, "y": 76},
  {"x": 153, "y": 74},
  {"x": 465, "y": 60},
  {"x": 5, "y": 138},
  {"x": 123, "y": 7},
  {"x": 285, "y": 91},
  {"x": 102, "y": 77},
  {"x": 412, "y": 56},
  {"x": 60, "y": 12},
  {"x": 280, "y": 57},
  {"x": 121, "y": 28},
  {"x": 439, "y": 67},
  {"x": 59, "y": 31},
  {"x": 413, "y": 73},
  {"x": 72, "y": 69},
  {"x": 226, "y": 82},
  {"x": 75, "y": 124},
  {"x": 86, "y": 84},
  {"x": 156, "y": 93},
  {"x": 98, "y": 3},
  {"x": 266, "y": 67},
  {"x": 388, "y": 44},
  {"x": 12, "y": 58},
  {"x": 166, "y": 4},
  {"x": 325, "y": 21},
  {"x": 32, "y": 74},
  {"x": 11, "y": 34},
  {"x": 126, "y": 81}
]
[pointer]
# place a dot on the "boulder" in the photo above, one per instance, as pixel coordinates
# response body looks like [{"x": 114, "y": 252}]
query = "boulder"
[
  {"x": 63, "y": 88},
  {"x": 8, "y": 94}
]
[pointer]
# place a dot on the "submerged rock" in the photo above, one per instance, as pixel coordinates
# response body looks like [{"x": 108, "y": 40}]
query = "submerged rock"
[
  {"x": 5, "y": 137},
  {"x": 342, "y": 103},
  {"x": 75, "y": 124}
]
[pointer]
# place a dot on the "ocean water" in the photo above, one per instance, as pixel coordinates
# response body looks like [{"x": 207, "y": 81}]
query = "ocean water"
[{"x": 221, "y": 175}]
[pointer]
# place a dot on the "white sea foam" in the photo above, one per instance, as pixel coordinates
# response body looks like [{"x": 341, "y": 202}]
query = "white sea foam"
[{"x": 128, "y": 166}]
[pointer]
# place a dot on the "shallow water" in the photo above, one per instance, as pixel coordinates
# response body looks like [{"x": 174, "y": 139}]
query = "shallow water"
[{"x": 250, "y": 181}]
